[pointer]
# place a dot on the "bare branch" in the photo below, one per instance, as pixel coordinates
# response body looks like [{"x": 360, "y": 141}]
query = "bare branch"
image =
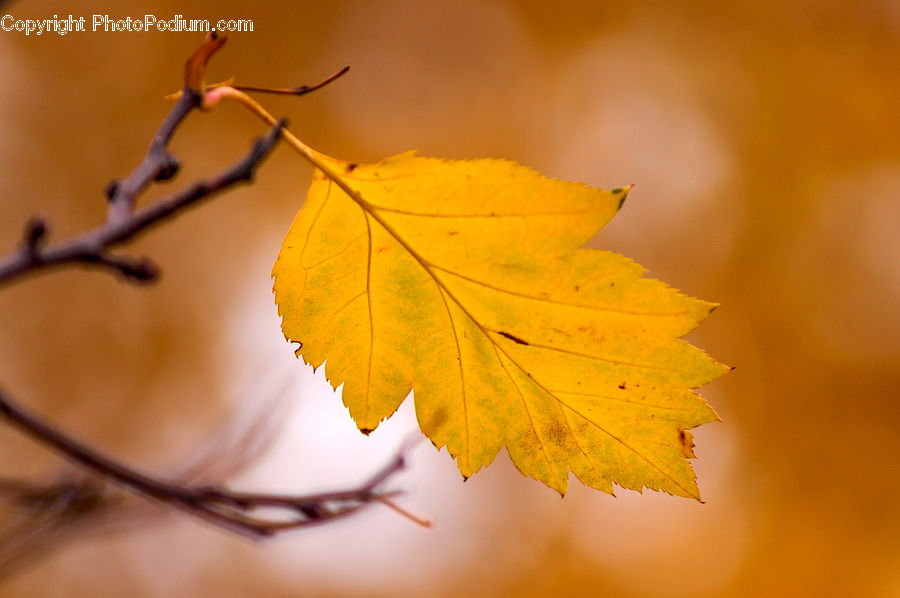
[
  {"x": 68, "y": 506},
  {"x": 219, "y": 505},
  {"x": 122, "y": 224}
]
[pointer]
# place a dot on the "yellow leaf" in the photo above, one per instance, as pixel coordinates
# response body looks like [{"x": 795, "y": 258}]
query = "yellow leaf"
[{"x": 466, "y": 282}]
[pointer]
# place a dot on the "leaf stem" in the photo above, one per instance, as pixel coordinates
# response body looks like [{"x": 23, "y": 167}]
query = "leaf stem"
[{"x": 214, "y": 96}]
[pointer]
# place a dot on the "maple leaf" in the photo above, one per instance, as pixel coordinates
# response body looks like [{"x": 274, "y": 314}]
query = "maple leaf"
[{"x": 465, "y": 281}]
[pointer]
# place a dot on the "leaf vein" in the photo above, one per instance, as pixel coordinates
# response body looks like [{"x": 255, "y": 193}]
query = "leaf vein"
[
  {"x": 632, "y": 449},
  {"x": 527, "y": 410},
  {"x": 608, "y": 360},
  {"x": 342, "y": 308},
  {"x": 600, "y": 427},
  {"x": 556, "y": 302},
  {"x": 462, "y": 374},
  {"x": 618, "y": 400},
  {"x": 371, "y": 319},
  {"x": 344, "y": 250},
  {"x": 492, "y": 215},
  {"x": 312, "y": 225}
]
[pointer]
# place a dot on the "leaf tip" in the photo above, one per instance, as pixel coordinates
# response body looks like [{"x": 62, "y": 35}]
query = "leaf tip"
[
  {"x": 693, "y": 492},
  {"x": 623, "y": 191}
]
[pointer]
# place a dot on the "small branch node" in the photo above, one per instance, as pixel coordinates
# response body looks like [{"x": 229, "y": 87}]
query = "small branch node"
[
  {"x": 144, "y": 270},
  {"x": 168, "y": 167},
  {"x": 111, "y": 189},
  {"x": 140, "y": 271},
  {"x": 35, "y": 235}
]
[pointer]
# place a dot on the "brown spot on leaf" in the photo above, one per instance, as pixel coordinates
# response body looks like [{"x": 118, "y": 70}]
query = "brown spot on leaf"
[
  {"x": 515, "y": 339},
  {"x": 436, "y": 421},
  {"x": 352, "y": 166},
  {"x": 366, "y": 431},
  {"x": 686, "y": 439},
  {"x": 622, "y": 386},
  {"x": 452, "y": 232}
]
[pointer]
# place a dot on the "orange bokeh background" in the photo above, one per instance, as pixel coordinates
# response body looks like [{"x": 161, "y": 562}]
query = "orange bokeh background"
[{"x": 763, "y": 141}]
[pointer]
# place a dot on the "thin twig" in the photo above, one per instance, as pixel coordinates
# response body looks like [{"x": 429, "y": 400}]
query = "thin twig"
[
  {"x": 158, "y": 164},
  {"x": 292, "y": 91}
]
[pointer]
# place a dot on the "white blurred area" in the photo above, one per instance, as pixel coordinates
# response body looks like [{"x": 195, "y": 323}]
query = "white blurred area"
[{"x": 623, "y": 113}]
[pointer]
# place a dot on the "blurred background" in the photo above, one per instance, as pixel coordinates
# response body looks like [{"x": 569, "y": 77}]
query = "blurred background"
[{"x": 764, "y": 142}]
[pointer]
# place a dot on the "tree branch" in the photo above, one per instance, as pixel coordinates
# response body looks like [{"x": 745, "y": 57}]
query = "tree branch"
[
  {"x": 68, "y": 502},
  {"x": 218, "y": 505},
  {"x": 122, "y": 223}
]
